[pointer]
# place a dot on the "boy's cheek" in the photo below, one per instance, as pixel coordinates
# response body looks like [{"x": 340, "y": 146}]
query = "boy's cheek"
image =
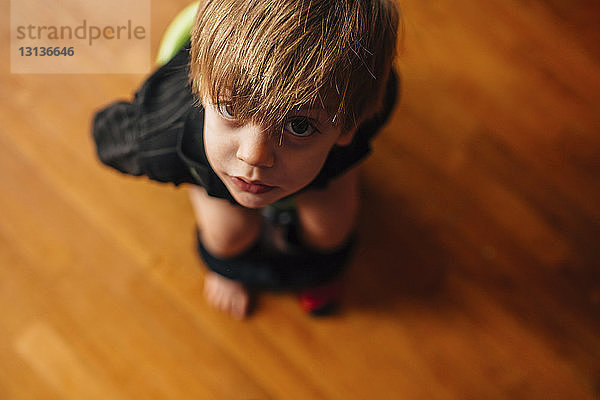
[{"x": 217, "y": 151}]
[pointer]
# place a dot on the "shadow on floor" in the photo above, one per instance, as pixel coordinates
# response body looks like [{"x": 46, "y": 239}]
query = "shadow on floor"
[{"x": 398, "y": 260}]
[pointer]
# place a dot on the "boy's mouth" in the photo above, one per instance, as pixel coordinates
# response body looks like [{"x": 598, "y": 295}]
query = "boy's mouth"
[{"x": 253, "y": 187}]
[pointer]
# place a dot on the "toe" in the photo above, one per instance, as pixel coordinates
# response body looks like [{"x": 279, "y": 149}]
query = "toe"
[
  {"x": 226, "y": 295},
  {"x": 239, "y": 305}
]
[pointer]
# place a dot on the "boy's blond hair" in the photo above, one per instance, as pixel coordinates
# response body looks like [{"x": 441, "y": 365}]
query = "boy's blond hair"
[{"x": 267, "y": 58}]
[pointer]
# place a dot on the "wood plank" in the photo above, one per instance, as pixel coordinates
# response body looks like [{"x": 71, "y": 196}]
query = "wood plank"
[{"x": 476, "y": 275}]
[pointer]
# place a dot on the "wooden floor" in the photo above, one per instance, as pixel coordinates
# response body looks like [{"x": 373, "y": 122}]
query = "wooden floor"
[{"x": 477, "y": 274}]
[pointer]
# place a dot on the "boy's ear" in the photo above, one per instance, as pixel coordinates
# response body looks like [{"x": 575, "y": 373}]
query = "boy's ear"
[{"x": 346, "y": 137}]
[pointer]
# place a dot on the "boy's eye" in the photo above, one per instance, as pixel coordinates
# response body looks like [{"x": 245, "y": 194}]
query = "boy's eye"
[
  {"x": 226, "y": 110},
  {"x": 300, "y": 127}
]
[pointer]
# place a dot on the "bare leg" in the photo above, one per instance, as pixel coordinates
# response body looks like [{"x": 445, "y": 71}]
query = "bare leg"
[
  {"x": 226, "y": 231},
  {"x": 328, "y": 217}
]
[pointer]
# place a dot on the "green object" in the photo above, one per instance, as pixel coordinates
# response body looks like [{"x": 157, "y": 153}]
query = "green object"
[
  {"x": 285, "y": 204},
  {"x": 177, "y": 34}
]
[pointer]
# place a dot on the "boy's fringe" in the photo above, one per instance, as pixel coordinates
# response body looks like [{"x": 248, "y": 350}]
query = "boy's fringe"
[{"x": 267, "y": 58}]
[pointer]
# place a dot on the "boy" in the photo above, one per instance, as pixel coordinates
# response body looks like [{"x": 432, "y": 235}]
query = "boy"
[{"x": 275, "y": 100}]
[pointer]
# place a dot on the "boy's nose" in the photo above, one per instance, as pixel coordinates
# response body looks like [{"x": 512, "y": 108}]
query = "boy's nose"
[{"x": 256, "y": 147}]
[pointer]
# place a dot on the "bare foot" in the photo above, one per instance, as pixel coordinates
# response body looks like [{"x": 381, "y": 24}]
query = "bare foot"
[{"x": 226, "y": 295}]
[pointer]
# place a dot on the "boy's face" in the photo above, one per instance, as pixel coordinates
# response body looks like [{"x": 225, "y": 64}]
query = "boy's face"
[{"x": 260, "y": 166}]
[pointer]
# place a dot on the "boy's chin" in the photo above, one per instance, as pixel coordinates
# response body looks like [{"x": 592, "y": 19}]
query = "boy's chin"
[{"x": 254, "y": 201}]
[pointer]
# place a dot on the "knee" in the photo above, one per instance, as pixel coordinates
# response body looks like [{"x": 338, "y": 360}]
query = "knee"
[
  {"x": 229, "y": 242},
  {"x": 328, "y": 216},
  {"x": 326, "y": 237},
  {"x": 327, "y": 228}
]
